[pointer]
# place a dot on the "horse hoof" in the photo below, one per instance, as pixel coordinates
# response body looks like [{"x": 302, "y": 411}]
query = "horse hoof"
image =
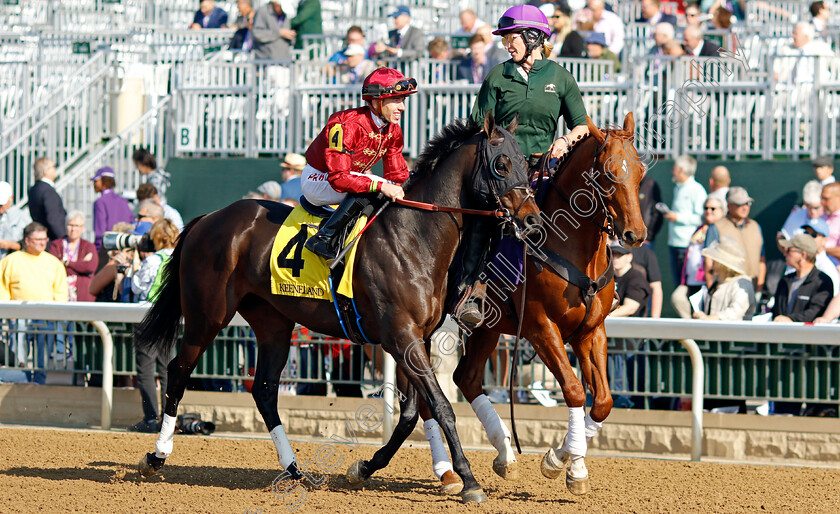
[
  {"x": 450, "y": 483},
  {"x": 355, "y": 473},
  {"x": 548, "y": 468},
  {"x": 506, "y": 470},
  {"x": 577, "y": 486},
  {"x": 473, "y": 496},
  {"x": 149, "y": 465}
]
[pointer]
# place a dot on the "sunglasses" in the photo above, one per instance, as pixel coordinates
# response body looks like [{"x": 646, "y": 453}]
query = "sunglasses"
[{"x": 508, "y": 39}]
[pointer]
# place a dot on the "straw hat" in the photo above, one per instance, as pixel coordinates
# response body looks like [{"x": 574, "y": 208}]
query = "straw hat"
[{"x": 727, "y": 252}]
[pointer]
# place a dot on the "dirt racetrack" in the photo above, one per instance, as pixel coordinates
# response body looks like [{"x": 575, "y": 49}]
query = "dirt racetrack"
[{"x": 89, "y": 471}]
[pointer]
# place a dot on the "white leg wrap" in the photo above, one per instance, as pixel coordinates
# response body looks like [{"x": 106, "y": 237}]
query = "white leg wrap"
[
  {"x": 578, "y": 468},
  {"x": 576, "y": 437},
  {"x": 497, "y": 431},
  {"x": 165, "y": 440},
  {"x": 284, "y": 449},
  {"x": 592, "y": 427},
  {"x": 440, "y": 459}
]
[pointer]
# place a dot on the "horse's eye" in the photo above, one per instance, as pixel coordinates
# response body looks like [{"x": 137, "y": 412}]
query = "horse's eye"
[{"x": 501, "y": 167}]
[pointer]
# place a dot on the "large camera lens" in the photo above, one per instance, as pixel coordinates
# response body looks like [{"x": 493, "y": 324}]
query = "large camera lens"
[{"x": 120, "y": 240}]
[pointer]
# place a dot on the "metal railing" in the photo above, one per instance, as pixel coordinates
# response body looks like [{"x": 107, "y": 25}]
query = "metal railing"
[
  {"x": 703, "y": 106},
  {"x": 149, "y": 131},
  {"x": 647, "y": 357},
  {"x": 34, "y": 88},
  {"x": 63, "y": 133}
]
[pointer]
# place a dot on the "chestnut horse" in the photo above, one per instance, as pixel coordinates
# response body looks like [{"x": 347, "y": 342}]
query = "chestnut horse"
[
  {"x": 605, "y": 164},
  {"x": 401, "y": 279}
]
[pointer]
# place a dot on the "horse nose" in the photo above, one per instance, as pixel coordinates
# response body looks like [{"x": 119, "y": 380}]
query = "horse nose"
[
  {"x": 532, "y": 222},
  {"x": 630, "y": 237}
]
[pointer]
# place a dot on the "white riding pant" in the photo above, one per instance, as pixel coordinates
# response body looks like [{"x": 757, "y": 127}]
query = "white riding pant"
[{"x": 317, "y": 189}]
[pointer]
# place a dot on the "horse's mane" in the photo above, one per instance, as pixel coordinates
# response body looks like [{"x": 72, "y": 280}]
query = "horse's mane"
[
  {"x": 440, "y": 146},
  {"x": 618, "y": 130}
]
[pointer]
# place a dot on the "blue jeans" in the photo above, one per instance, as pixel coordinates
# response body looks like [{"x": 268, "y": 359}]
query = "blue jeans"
[
  {"x": 677, "y": 258},
  {"x": 41, "y": 334}
]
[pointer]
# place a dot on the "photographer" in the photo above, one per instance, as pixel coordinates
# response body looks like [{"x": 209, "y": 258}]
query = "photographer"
[
  {"x": 144, "y": 284},
  {"x": 163, "y": 235},
  {"x": 112, "y": 282}
]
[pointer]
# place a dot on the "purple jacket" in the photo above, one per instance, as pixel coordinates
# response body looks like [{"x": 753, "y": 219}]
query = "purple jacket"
[{"x": 108, "y": 210}]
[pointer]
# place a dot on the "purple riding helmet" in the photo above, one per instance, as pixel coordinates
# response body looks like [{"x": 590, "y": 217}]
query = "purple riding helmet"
[{"x": 527, "y": 20}]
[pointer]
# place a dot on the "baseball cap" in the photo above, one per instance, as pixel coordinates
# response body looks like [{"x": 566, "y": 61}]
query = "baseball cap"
[
  {"x": 819, "y": 225},
  {"x": 353, "y": 49},
  {"x": 597, "y": 38},
  {"x": 738, "y": 196},
  {"x": 5, "y": 192},
  {"x": 400, "y": 11},
  {"x": 105, "y": 171},
  {"x": 618, "y": 249},
  {"x": 141, "y": 228},
  {"x": 271, "y": 189},
  {"x": 548, "y": 9},
  {"x": 822, "y": 160},
  {"x": 802, "y": 242}
]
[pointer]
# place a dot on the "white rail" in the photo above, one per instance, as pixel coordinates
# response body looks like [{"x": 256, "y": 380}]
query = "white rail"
[{"x": 668, "y": 329}]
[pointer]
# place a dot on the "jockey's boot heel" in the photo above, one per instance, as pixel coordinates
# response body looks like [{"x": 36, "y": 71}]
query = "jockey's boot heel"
[
  {"x": 325, "y": 243},
  {"x": 471, "y": 313}
]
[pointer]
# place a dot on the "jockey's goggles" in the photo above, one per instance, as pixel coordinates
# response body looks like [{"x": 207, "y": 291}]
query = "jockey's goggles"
[
  {"x": 377, "y": 90},
  {"x": 506, "y": 22}
]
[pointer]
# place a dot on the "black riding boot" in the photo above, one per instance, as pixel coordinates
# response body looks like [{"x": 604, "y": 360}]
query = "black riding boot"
[{"x": 325, "y": 243}]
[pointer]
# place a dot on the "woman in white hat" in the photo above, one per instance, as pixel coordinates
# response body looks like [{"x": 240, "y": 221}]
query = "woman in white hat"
[{"x": 732, "y": 294}]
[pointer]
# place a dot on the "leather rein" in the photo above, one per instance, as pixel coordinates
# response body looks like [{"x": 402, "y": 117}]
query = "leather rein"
[{"x": 482, "y": 165}]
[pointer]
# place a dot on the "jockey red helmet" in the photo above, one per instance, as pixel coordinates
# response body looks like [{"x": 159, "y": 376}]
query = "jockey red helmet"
[{"x": 387, "y": 83}]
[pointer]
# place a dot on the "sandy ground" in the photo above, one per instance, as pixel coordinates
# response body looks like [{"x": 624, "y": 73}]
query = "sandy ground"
[{"x": 80, "y": 471}]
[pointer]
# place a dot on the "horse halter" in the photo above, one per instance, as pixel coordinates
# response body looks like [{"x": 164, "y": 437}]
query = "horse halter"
[
  {"x": 496, "y": 175},
  {"x": 609, "y": 225}
]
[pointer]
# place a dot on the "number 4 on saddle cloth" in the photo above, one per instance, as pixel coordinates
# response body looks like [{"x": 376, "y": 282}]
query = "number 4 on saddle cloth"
[{"x": 295, "y": 271}]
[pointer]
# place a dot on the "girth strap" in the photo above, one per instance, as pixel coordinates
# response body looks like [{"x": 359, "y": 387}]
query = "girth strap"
[{"x": 564, "y": 269}]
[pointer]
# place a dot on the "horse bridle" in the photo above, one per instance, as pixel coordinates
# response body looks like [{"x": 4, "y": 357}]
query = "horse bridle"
[
  {"x": 608, "y": 226},
  {"x": 486, "y": 166}
]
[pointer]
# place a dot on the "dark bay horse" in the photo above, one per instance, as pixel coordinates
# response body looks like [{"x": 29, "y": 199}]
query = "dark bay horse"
[
  {"x": 221, "y": 266},
  {"x": 554, "y": 309}
]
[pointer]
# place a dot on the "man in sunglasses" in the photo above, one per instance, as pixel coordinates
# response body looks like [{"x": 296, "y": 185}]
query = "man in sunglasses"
[{"x": 340, "y": 159}]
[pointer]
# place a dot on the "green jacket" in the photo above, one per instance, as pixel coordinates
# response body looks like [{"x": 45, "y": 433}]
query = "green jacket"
[
  {"x": 550, "y": 92},
  {"x": 307, "y": 21}
]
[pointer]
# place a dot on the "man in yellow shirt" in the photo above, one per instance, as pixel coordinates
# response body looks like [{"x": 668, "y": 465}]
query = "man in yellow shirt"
[{"x": 33, "y": 274}]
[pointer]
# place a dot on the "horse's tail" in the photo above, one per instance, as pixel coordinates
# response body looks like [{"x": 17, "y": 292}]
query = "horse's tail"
[{"x": 159, "y": 328}]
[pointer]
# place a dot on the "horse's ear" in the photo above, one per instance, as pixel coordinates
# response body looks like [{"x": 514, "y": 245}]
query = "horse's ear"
[
  {"x": 489, "y": 124},
  {"x": 514, "y": 124},
  {"x": 629, "y": 124},
  {"x": 595, "y": 131}
]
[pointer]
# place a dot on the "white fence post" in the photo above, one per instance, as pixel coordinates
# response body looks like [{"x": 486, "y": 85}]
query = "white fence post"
[
  {"x": 697, "y": 380},
  {"x": 107, "y": 373}
]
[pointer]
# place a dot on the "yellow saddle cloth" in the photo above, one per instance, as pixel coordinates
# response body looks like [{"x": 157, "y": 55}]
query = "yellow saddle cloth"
[{"x": 295, "y": 271}]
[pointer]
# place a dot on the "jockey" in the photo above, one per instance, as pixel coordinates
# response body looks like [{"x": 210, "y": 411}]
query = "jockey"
[{"x": 341, "y": 157}]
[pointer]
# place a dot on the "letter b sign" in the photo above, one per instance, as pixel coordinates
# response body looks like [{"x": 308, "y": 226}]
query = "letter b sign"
[{"x": 185, "y": 135}]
